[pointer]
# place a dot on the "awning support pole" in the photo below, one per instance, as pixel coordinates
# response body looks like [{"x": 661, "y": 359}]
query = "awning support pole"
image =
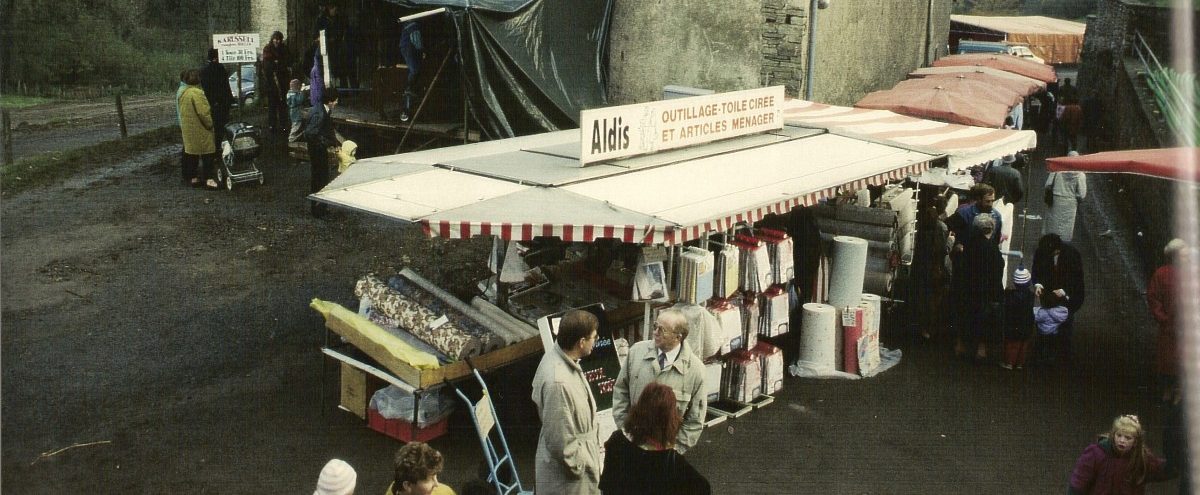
[{"x": 425, "y": 98}]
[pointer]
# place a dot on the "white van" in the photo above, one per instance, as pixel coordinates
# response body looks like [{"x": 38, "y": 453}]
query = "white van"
[{"x": 1023, "y": 51}]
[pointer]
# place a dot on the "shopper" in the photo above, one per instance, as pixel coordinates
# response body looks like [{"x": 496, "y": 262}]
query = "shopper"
[
  {"x": 1018, "y": 320},
  {"x": 929, "y": 269},
  {"x": 568, "y": 452},
  {"x": 196, "y": 125},
  {"x": 214, "y": 80},
  {"x": 276, "y": 76},
  {"x": 980, "y": 199},
  {"x": 667, "y": 359},
  {"x": 1118, "y": 463},
  {"x": 295, "y": 103},
  {"x": 979, "y": 278},
  {"x": 188, "y": 178},
  {"x": 1006, "y": 180},
  {"x": 337, "y": 478},
  {"x": 1058, "y": 268},
  {"x": 321, "y": 138},
  {"x": 417, "y": 467},
  {"x": 640, "y": 459},
  {"x": 1064, "y": 191},
  {"x": 1161, "y": 295}
]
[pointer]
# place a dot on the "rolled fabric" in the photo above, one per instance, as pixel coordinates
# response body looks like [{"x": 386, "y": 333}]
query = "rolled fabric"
[
  {"x": 440, "y": 305},
  {"x": 818, "y": 335},
  {"x": 522, "y": 329},
  {"x": 458, "y": 305},
  {"x": 849, "y": 267},
  {"x": 875, "y": 316},
  {"x": 853, "y": 323},
  {"x": 426, "y": 325}
]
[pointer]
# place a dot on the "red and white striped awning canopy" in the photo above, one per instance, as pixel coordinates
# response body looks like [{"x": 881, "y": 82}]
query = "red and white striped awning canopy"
[
  {"x": 533, "y": 186},
  {"x": 966, "y": 146}
]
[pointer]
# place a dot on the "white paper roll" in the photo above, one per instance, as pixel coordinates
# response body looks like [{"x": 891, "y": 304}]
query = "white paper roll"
[
  {"x": 849, "y": 267},
  {"x": 818, "y": 335},
  {"x": 875, "y": 306}
]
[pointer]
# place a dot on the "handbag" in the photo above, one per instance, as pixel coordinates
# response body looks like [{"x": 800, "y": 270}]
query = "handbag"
[{"x": 1049, "y": 199}]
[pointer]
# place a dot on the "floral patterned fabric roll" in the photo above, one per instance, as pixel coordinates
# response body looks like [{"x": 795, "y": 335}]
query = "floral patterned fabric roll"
[{"x": 433, "y": 328}]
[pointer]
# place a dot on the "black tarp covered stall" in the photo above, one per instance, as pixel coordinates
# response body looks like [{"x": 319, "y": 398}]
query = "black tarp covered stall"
[{"x": 528, "y": 66}]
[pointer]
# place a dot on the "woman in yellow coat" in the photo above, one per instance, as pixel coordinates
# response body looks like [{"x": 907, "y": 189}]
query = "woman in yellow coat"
[{"x": 196, "y": 123}]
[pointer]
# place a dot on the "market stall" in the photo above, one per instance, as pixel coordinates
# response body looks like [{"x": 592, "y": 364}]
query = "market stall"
[{"x": 687, "y": 196}]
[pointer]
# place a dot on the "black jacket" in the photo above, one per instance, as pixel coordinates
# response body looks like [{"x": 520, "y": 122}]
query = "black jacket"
[
  {"x": 628, "y": 469},
  {"x": 1067, "y": 275},
  {"x": 214, "y": 80},
  {"x": 319, "y": 130}
]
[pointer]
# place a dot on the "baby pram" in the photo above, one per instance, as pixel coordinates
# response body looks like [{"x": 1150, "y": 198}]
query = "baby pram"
[{"x": 239, "y": 148}]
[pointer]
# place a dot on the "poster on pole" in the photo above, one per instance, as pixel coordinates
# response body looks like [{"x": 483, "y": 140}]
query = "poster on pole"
[{"x": 236, "y": 48}]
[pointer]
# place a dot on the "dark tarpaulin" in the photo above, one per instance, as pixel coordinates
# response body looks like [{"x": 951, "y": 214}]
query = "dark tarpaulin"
[{"x": 530, "y": 66}]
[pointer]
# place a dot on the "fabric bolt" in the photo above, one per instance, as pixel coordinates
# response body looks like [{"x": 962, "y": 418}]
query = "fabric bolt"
[
  {"x": 818, "y": 344},
  {"x": 775, "y": 311},
  {"x": 750, "y": 315},
  {"x": 849, "y": 266},
  {"x": 771, "y": 363},
  {"x": 727, "y": 271},
  {"x": 489, "y": 339},
  {"x": 567, "y": 460},
  {"x": 853, "y": 321},
  {"x": 391, "y": 326},
  {"x": 446, "y": 337},
  {"x": 704, "y": 330},
  {"x": 729, "y": 317},
  {"x": 685, "y": 376},
  {"x": 742, "y": 378}
]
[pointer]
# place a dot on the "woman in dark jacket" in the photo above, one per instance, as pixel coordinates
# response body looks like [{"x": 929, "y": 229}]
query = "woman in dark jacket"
[
  {"x": 982, "y": 285},
  {"x": 642, "y": 458}
]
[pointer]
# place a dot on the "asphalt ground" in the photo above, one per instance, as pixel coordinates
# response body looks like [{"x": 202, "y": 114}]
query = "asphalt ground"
[{"x": 171, "y": 325}]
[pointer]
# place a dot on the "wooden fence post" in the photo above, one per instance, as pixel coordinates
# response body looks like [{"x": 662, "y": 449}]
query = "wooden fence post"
[
  {"x": 121, "y": 116},
  {"x": 7, "y": 137}
]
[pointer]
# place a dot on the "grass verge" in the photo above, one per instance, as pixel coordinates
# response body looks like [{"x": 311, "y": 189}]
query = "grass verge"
[
  {"x": 48, "y": 168},
  {"x": 13, "y": 102}
]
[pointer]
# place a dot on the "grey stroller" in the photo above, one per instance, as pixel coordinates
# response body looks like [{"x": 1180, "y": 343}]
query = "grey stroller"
[{"x": 240, "y": 145}]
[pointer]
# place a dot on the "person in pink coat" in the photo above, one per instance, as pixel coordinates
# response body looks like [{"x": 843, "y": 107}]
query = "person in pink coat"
[{"x": 1119, "y": 463}]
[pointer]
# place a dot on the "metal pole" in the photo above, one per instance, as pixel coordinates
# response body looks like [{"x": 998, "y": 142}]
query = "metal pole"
[
  {"x": 812, "y": 46},
  {"x": 121, "y": 117},
  {"x": 7, "y": 137}
]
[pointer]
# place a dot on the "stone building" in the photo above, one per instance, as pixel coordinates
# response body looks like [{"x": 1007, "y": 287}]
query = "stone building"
[{"x": 737, "y": 44}]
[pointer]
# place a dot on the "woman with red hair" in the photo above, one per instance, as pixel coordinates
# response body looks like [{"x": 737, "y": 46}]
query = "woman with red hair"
[{"x": 641, "y": 458}]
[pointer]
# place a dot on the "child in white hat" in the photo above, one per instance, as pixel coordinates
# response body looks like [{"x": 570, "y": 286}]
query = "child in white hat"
[
  {"x": 1018, "y": 322},
  {"x": 337, "y": 478}
]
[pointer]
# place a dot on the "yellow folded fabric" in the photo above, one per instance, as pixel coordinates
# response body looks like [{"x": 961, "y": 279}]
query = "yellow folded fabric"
[{"x": 370, "y": 338}]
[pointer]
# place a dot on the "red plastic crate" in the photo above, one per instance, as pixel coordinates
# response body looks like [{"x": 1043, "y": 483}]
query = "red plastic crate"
[{"x": 404, "y": 430}]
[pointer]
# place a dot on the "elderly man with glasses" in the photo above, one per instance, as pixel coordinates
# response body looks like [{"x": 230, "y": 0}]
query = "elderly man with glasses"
[{"x": 669, "y": 360}]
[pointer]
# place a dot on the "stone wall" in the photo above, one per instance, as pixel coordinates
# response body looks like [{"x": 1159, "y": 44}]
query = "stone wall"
[
  {"x": 739, "y": 44},
  {"x": 268, "y": 16}
]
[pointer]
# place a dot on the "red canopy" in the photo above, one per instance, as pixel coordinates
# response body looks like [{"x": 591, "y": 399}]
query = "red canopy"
[
  {"x": 1001, "y": 61},
  {"x": 1168, "y": 163}
]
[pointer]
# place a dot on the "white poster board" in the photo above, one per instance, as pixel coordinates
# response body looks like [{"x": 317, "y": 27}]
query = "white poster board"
[
  {"x": 616, "y": 132},
  {"x": 236, "y": 48}
]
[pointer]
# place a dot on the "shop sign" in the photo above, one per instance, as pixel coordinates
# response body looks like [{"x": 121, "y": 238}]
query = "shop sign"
[
  {"x": 616, "y": 132},
  {"x": 236, "y": 48}
]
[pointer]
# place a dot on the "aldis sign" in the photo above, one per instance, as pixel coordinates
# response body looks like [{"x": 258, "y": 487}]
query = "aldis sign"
[{"x": 615, "y": 132}]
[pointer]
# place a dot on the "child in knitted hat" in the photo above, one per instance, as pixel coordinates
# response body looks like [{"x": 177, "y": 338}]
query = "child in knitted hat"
[
  {"x": 337, "y": 478},
  {"x": 1018, "y": 320}
]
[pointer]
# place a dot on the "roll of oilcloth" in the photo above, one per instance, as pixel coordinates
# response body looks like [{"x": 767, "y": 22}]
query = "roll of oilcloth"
[
  {"x": 849, "y": 265},
  {"x": 818, "y": 335},
  {"x": 443, "y": 304},
  {"x": 511, "y": 322},
  {"x": 420, "y": 321},
  {"x": 872, "y": 314}
]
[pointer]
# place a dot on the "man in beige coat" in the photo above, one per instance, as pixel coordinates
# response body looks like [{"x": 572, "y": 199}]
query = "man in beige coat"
[
  {"x": 669, "y": 360},
  {"x": 568, "y": 453}
]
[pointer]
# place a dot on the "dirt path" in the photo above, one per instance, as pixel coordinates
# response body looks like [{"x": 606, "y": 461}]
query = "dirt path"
[{"x": 68, "y": 125}]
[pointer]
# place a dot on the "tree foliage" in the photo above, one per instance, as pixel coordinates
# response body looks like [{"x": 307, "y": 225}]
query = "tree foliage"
[{"x": 132, "y": 43}]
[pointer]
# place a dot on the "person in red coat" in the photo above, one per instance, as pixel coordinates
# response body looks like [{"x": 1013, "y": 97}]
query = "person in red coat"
[
  {"x": 1119, "y": 463},
  {"x": 1161, "y": 297}
]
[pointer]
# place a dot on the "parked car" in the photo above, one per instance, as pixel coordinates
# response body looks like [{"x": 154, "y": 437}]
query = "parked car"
[
  {"x": 1023, "y": 51},
  {"x": 249, "y": 79}
]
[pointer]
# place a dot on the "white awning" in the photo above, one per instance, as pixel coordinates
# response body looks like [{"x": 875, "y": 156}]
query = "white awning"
[
  {"x": 527, "y": 187},
  {"x": 965, "y": 145}
]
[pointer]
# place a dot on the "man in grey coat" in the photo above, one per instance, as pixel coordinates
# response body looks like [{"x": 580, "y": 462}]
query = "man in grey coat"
[
  {"x": 669, "y": 360},
  {"x": 1006, "y": 180},
  {"x": 568, "y": 452}
]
